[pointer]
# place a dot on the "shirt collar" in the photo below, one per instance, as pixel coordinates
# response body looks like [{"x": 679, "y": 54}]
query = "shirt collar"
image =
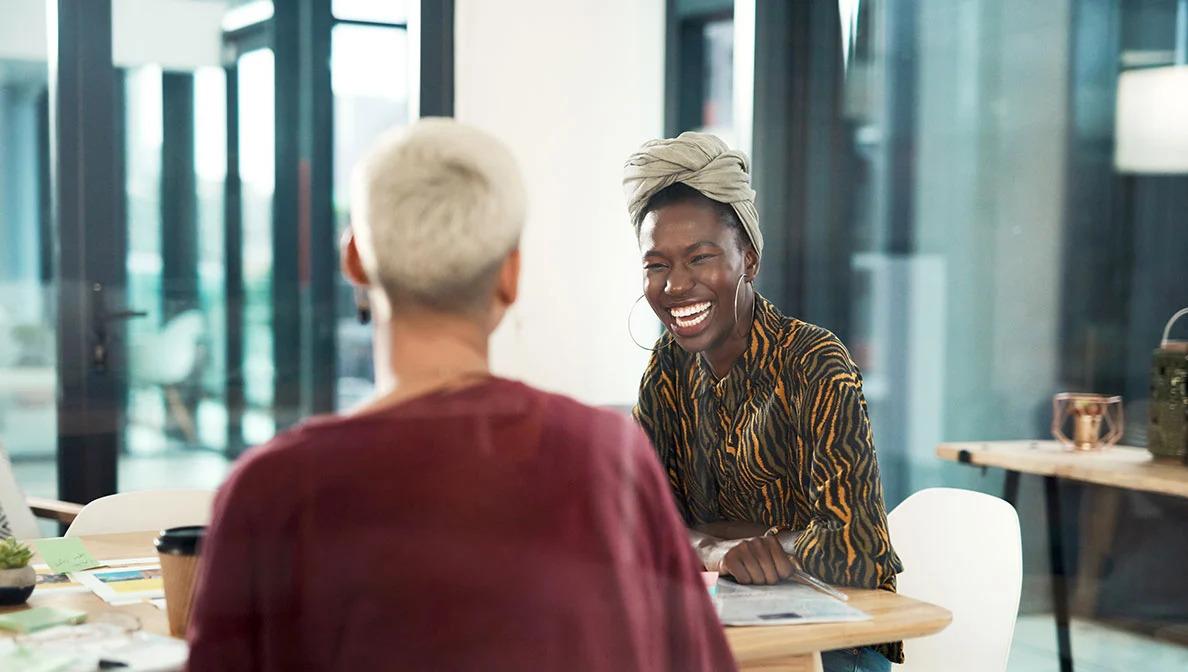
[{"x": 753, "y": 365}]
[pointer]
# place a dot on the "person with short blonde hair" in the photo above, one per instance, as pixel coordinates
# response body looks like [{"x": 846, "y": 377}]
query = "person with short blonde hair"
[
  {"x": 457, "y": 521},
  {"x": 437, "y": 212}
]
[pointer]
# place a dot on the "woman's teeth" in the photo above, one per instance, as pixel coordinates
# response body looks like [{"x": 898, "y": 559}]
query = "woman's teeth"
[{"x": 691, "y": 316}]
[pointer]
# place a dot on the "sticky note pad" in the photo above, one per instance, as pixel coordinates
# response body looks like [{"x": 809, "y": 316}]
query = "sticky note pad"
[
  {"x": 32, "y": 620},
  {"x": 66, "y": 554}
]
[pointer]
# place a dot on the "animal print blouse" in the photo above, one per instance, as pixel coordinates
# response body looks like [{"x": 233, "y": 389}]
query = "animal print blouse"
[{"x": 783, "y": 439}]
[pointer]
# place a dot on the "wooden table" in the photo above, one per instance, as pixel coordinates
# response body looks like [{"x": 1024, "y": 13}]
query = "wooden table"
[
  {"x": 1118, "y": 468},
  {"x": 790, "y": 648},
  {"x": 105, "y": 547},
  {"x": 798, "y": 647}
]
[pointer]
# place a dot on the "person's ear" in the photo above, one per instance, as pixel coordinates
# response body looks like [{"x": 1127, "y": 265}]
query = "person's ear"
[
  {"x": 750, "y": 264},
  {"x": 507, "y": 287},
  {"x": 351, "y": 262}
]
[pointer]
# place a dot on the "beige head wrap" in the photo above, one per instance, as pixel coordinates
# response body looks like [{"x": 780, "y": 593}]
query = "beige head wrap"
[{"x": 701, "y": 161}]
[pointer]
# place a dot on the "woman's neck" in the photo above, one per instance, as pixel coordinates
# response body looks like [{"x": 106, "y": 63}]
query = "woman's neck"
[
  {"x": 418, "y": 354},
  {"x": 723, "y": 355}
]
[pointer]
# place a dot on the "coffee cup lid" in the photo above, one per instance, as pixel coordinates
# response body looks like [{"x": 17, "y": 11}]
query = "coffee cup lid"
[{"x": 180, "y": 540}]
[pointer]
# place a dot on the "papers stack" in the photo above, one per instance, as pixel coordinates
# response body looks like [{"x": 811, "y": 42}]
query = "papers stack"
[
  {"x": 781, "y": 604},
  {"x": 108, "y": 581},
  {"x": 124, "y": 584}
]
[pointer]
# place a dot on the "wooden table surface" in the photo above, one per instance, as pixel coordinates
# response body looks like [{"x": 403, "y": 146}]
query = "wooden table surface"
[
  {"x": 105, "y": 547},
  {"x": 788, "y": 647},
  {"x": 1119, "y": 467},
  {"x": 893, "y": 617}
]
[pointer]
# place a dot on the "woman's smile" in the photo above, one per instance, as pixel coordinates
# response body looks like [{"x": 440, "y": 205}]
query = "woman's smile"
[{"x": 690, "y": 319}]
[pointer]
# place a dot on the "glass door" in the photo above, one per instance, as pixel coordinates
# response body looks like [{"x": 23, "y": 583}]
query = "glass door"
[
  {"x": 174, "y": 296},
  {"x": 28, "y": 289},
  {"x": 256, "y": 120},
  {"x": 173, "y": 152}
]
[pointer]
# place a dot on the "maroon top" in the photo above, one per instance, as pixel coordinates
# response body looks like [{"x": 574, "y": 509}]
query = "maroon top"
[{"x": 495, "y": 527}]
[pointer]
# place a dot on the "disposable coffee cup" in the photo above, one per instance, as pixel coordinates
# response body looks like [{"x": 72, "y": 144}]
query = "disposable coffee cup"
[{"x": 178, "y": 549}]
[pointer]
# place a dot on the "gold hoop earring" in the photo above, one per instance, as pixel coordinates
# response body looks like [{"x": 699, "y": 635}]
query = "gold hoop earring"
[{"x": 629, "y": 333}]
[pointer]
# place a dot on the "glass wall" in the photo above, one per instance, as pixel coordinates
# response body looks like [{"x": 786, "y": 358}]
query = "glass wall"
[
  {"x": 28, "y": 380},
  {"x": 367, "y": 102},
  {"x": 939, "y": 186},
  {"x": 204, "y": 153},
  {"x": 173, "y": 156},
  {"x": 257, "y": 174},
  {"x": 981, "y": 251}
]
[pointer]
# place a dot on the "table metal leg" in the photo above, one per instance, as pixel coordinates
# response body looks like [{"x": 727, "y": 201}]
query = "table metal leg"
[
  {"x": 1010, "y": 488},
  {"x": 1059, "y": 578}
]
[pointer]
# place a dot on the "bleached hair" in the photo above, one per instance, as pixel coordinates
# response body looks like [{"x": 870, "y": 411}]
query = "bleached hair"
[{"x": 437, "y": 207}]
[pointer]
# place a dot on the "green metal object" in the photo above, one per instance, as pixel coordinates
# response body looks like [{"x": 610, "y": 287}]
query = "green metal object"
[{"x": 1167, "y": 436}]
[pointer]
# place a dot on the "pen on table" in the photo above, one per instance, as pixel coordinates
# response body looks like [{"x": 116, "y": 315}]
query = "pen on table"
[{"x": 804, "y": 577}]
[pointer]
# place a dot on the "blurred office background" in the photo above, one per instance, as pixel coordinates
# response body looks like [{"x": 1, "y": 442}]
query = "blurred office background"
[{"x": 941, "y": 183}]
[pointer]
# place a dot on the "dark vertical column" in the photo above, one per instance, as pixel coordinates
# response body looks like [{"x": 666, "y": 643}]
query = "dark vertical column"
[
  {"x": 830, "y": 164},
  {"x": 1059, "y": 573},
  {"x": 685, "y": 64},
  {"x": 802, "y": 153},
  {"x": 779, "y": 127},
  {"x": 317, "y": 208},
  {"x": 179, "y": 208},
  {"x": 233, "y": 271},
  {"x": 286, "y": 233},
  {"x": 691, "y": 75},
  {"x": 45, "y": 224},
  {"x": 91, "y": 271},
  {"x": 899, "y": 187},
  {"x": 437, "y": 58},
  {"x": 119, "y": 229},
  {"x": 672, "y": 68}
]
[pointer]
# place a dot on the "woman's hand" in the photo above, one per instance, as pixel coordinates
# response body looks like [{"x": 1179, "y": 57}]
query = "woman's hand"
[{"x": 756, "y": 560}]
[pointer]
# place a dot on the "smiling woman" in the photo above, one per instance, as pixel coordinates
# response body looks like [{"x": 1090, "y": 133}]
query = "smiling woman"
[
  {"x": 697, "y": 259},
  {"x": 758, "y": 419}
]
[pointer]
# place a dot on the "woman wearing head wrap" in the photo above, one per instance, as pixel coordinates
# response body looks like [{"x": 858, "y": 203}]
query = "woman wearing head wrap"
[{"x": 758, "y": 418}]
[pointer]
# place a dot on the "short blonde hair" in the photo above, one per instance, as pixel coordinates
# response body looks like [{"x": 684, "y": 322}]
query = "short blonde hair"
[{"x": 437, "y": 208}]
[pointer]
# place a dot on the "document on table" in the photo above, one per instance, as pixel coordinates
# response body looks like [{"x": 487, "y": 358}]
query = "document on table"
[
  {"x": 781, "y": 604},
  {"x": 50, "y": 581},
  {"x": 126, "y": 584}
]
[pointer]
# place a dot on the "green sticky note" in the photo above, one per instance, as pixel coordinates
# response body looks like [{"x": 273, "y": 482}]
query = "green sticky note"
[
  {"x": 65, "y": 554},
  {"x": 32, "y": 620}
]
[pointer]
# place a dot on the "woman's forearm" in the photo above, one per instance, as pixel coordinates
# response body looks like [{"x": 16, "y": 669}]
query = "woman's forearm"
[
  {"x": 709, "y": 548},
  {"x": 711, "y": 541}
]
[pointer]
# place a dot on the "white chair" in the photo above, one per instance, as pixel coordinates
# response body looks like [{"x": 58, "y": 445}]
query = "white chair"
[
  {"x": 18, "y": 513},
  {"x": 168, "y": 359},
  {"x": 143, "y": 510},
  {"x": 960, "y": 550}
]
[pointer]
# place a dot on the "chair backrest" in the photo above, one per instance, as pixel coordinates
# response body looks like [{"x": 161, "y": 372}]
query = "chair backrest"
[
  {"x": 960, "y": 550},
  {"x": 15, "y": 515},
  {"x": 143, "y": 510},
  {"x": 168, "y": 356}
]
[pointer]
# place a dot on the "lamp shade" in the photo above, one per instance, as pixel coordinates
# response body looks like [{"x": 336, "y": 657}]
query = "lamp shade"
[{"x": 1151, "y": 131}]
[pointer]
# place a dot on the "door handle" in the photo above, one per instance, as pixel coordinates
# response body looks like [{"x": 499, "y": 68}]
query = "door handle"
[{"x": 100, "y": 318}]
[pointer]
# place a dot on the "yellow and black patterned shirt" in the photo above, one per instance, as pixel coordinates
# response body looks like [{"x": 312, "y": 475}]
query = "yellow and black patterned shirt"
[{"x": 783, "y": 439}]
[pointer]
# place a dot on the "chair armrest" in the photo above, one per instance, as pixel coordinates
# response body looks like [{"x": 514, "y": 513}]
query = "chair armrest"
[{"x": 52, "y": 509}]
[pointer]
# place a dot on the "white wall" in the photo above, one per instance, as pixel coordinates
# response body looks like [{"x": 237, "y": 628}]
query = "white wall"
[
  {"x": 22, "y": 29},
  {"x": 574, "y": 87}
]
